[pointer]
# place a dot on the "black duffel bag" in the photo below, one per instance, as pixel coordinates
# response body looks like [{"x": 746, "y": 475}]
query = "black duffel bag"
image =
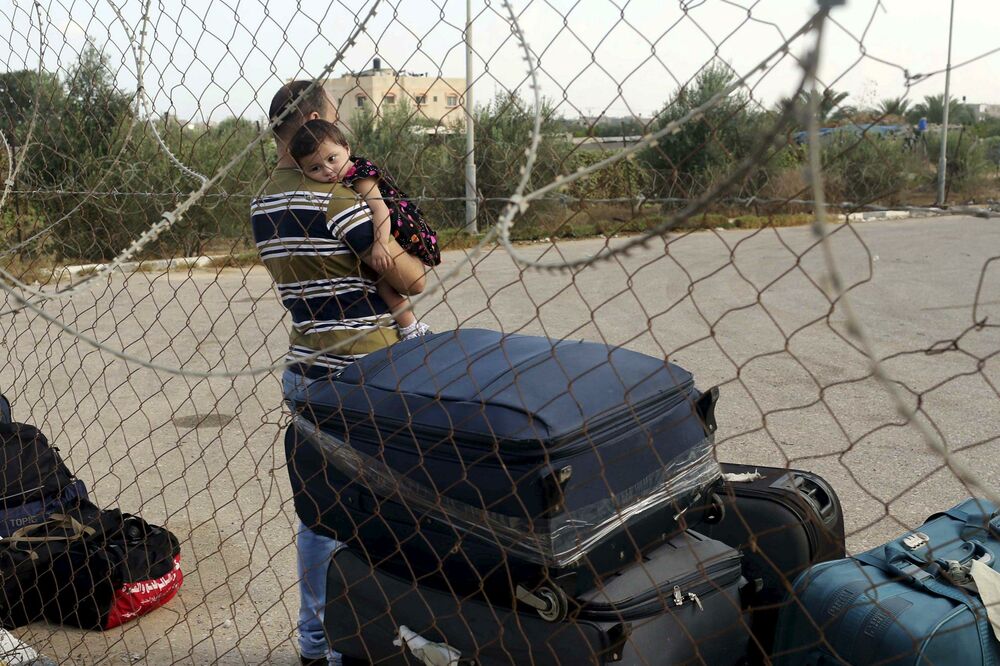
[
  {"x": 27, "y": 561},
  {"x": 88, "y": 568}
]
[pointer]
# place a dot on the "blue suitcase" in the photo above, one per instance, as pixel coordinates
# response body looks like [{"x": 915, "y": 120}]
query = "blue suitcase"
[
  {"x": 489, "y": 461},
  {"x": 908, "y": 602}
]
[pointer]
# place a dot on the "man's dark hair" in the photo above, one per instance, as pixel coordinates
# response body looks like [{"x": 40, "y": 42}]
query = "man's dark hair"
[
  {"x": 313, "y": 101},
  {"x": 308, "y": 137}
]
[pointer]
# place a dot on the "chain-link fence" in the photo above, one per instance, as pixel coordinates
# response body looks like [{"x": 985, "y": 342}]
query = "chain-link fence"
[{"x": 707, "y": 194}]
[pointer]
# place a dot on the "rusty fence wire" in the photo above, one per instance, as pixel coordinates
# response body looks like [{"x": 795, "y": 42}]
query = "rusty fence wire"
[{"x": 714, "y": 184}]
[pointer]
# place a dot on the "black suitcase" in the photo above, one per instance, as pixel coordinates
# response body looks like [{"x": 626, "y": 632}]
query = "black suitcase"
[
  {"x": 680, "y": 605},
  {"x": 783, "y": 521},
  {"x": 523, "y": 460}
]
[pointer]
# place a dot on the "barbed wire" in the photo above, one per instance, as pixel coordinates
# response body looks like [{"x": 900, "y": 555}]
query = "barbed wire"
[
  {"x": 169, "y": 218},
  {"x": 141, "y": 99},
  {"x": 501, "y": 231},
  {"x": 781, "y": 320}
]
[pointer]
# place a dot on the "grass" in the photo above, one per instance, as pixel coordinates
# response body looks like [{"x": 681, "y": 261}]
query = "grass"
[
  {"x": 579, "y": 225},
  {"x": 597, "y": 222}
]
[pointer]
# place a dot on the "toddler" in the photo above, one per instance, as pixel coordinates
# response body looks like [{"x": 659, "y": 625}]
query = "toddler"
[{"x": 323, "y": 154}]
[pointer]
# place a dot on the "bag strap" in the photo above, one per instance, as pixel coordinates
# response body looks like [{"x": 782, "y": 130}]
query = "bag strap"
[
  {"x": 57, "y": 520},
  {"x": 928, "y": 580}
]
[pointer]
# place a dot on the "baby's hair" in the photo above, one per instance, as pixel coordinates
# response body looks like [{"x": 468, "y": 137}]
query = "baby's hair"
[{"x": 307, "y": 139}]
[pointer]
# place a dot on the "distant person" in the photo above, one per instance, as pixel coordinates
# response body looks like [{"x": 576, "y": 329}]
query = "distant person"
[
  {"x": 921, "y": 126},
  {"x": 323, "y": 154},
  {"x": 315, "y": 239}
]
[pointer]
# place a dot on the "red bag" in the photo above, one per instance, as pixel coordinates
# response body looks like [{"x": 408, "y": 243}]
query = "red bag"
[{"x": 132, "y": 600}]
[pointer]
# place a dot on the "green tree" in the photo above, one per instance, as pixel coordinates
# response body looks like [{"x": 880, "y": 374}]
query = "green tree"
[
  {"x": 987, "y": 126},
  {"x": 968, "y": 160},
  {"x": 503, "y": 131},
  {"x": 82, "y": 152},
  {"x": 32, "y": 103},
  {"x": 706, "y": 144},
  {"x": 991, "y": 150},
  {"x": 21, "y": 92}
]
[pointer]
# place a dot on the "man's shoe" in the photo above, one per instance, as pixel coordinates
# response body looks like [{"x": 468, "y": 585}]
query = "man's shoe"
[{"x": 313, "y": 661}]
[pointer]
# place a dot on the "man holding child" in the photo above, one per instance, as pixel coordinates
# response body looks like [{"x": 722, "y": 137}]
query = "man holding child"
[{"x": 315, "y": 239}]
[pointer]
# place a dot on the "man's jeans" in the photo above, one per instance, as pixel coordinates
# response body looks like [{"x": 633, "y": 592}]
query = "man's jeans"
[{"x": 314, "y": 553}]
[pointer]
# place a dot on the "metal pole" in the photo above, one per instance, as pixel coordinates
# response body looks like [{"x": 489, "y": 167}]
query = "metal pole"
[
  {"x": 471, "y": 212},
  {"x": 943, "y": 159}
]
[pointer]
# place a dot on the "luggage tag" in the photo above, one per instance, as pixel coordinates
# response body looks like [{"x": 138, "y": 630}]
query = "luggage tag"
[
  {"x": 428, "y": 652},
  {"x": 988, "y": 583}
]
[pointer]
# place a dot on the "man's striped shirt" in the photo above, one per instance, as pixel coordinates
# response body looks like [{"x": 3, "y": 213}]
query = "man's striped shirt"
[{"x": 310, "y": 236}]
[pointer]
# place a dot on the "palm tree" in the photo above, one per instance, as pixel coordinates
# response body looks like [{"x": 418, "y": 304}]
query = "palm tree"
[
  {"x": 932, "y": 108},
  {"x": 830, "y": 104},
  {"x": 894, "y": 106}
]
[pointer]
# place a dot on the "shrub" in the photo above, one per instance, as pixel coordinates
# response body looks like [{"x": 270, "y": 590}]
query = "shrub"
[
  {"x": 624, "y": 179},
  {"x": 991, "y": 151},
  {"x": 968, "y": 164},
  {"x": 866, "y": 169}
]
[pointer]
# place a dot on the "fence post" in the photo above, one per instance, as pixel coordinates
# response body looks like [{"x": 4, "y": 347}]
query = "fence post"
[
  {"x": 471, "y": 212},
  {"x": 943, "y": 159}
]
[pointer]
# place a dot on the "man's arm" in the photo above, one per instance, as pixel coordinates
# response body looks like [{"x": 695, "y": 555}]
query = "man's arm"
[{"x": 353, "y": 224}]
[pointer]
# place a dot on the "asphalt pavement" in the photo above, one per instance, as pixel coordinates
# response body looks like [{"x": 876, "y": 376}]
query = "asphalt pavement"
[{"x": 754, "y": 312}]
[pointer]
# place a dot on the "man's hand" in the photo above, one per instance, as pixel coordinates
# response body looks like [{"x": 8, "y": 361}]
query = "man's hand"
[{"x": 380, "y": 258}]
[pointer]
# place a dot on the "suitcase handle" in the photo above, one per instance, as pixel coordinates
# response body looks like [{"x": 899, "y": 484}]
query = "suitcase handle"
[
  {"x": 903, "y": 559},
  {"x": 705, "y": 407},
  {"x": 820, "y": 496}
]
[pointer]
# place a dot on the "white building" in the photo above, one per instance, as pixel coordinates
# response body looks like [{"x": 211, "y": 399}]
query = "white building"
[{"x": 433, "y": 98}]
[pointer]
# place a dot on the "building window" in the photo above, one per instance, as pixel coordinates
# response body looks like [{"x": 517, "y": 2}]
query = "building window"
[
  {"x": 435, "y": 98},
  {"x": 390, "y": 99},
  {"x": 421, "y": 99},
  {"x": 452, "y": 100},
  {"x": 361, "y": 101}
]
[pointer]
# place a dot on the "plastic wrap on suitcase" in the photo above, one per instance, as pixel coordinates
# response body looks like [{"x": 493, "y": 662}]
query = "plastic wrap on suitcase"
[
  {"x": 680, "y": 605},
  {"x": 562, "y": 540}
]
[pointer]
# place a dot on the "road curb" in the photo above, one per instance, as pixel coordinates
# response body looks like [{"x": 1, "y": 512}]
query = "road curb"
[
  {"x": 876, "y": 215},
  {"x": 930, "y": 211},
  {"x": 202, "y": 261}
]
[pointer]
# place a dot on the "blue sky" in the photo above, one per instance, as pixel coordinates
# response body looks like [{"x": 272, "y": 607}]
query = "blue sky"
[{"x": 213, "y": 59}]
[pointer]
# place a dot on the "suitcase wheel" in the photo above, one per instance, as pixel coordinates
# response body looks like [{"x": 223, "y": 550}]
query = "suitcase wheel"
[
  {"x": 716, "y": 509},
  {"x": 551, "y": 604}
]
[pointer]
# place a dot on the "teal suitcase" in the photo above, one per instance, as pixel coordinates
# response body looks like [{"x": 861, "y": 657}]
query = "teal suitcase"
[{"x": 910, "y": 601}]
